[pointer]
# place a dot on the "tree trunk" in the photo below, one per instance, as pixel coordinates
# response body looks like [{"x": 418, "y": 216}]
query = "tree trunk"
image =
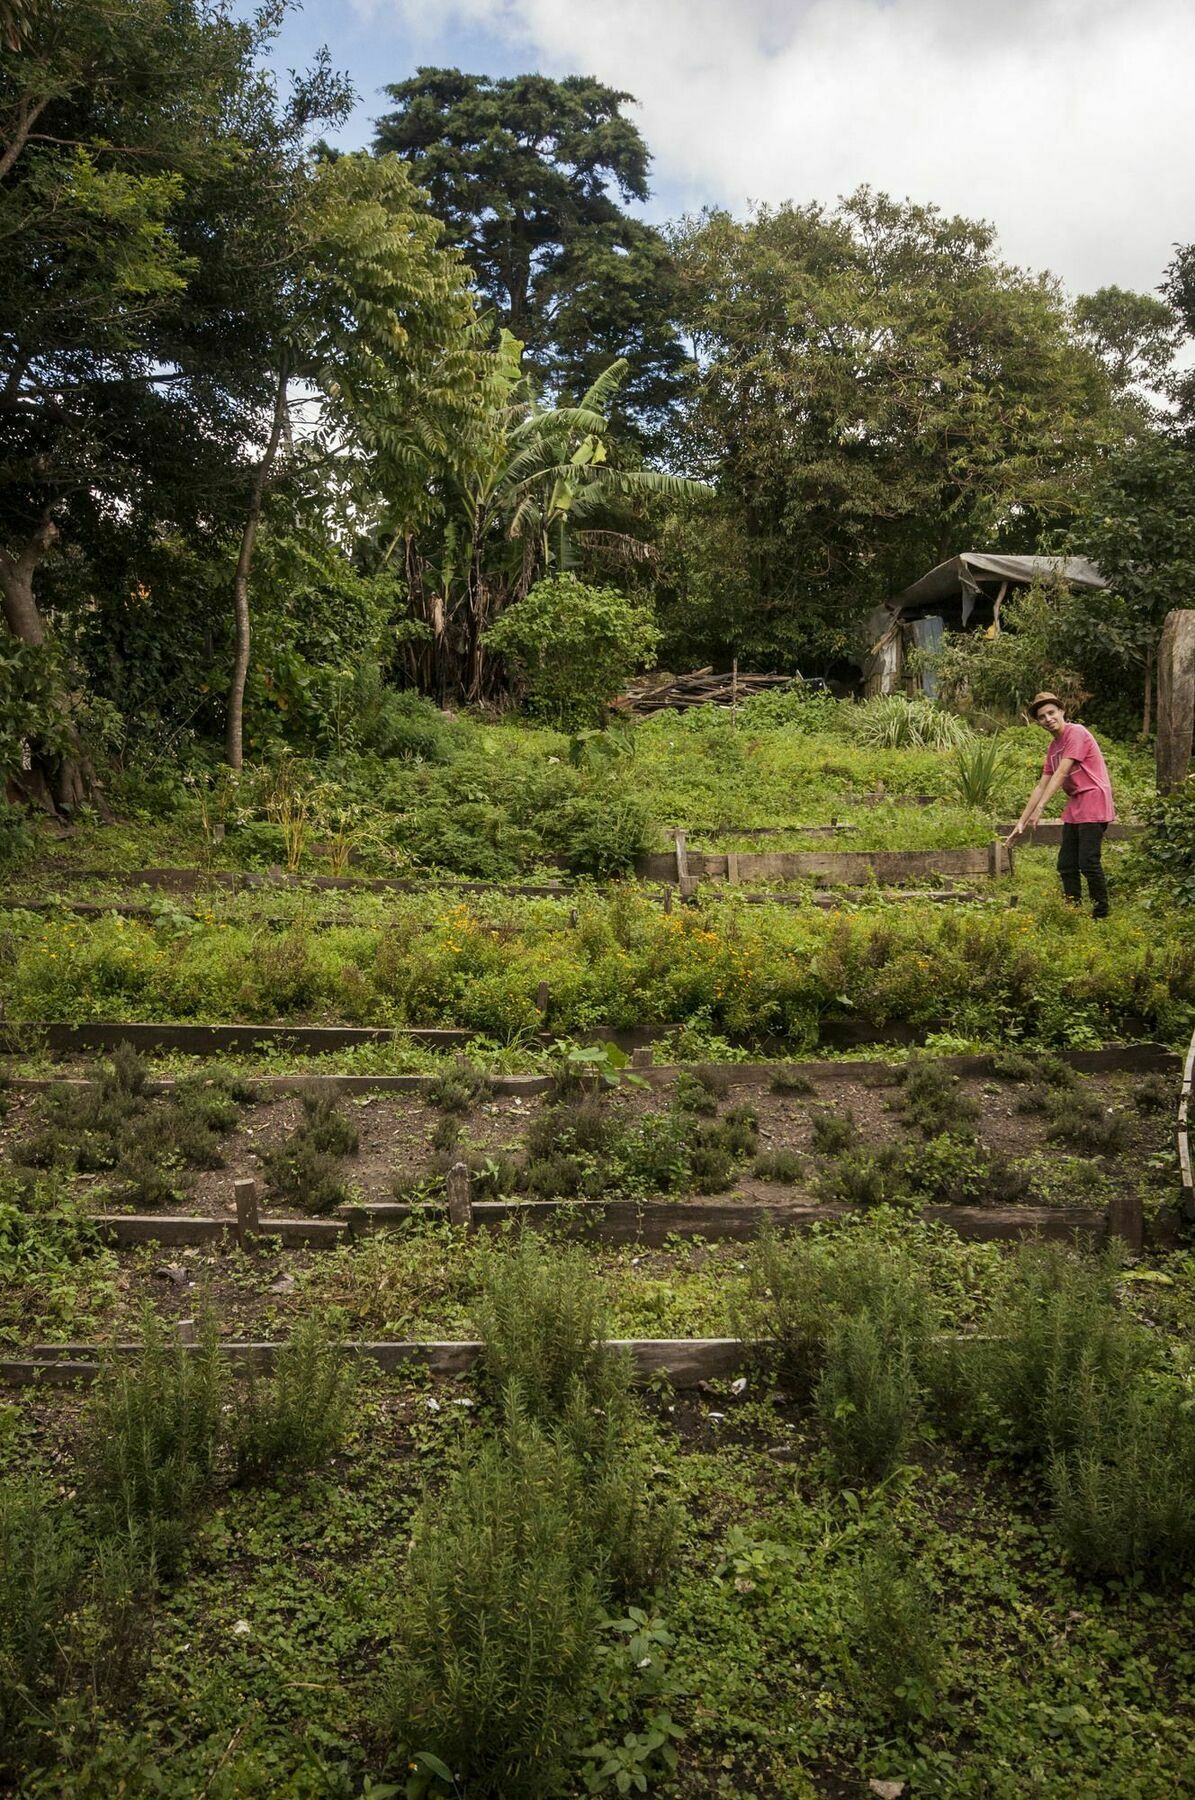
[
  {"x": 56, "y": 781},
  {"x": 234, "y": 737},
  {"x": 1176, "y": 700}
]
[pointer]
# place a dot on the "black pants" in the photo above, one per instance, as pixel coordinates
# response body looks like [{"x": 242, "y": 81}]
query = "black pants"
[{"x": 1079, "y": 856}]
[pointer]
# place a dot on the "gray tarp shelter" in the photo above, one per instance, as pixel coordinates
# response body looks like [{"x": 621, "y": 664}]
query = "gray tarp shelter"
[{"x": 963, "y": 594}]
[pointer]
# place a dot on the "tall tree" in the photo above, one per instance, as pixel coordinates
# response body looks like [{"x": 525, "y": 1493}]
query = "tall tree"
[
  {"x": 371, "y": 347},
  {"x": 878, "y": 392},
  {"x": 532, "y": 178},
  {"x": 115, "y": 395}
]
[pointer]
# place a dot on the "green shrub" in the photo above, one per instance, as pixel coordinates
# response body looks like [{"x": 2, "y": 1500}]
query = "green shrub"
[
  {"x": 867, "y": 1398},
  {"x": 931, "y": 1099},
  {"x": 1081, "y": 1120},
  {"x": 791, "y": 1081},
  {"x": 497, "y": 1622},
  {"x": 1055, "y": 1353},
  {"x": 553, "y": 1177},
  {"x": 324, "y": 1126},
  {"x": 1167, "y": 852},
  {"x": 41, "y": 1567},
  {"x": 1153, "y": 1093},
  {"x": 833, "y": 1131},
  {"x": 573, "y": 647},
  {"x": 294, "y": 1419},
  {"x": 893, "y": 1652},
  {"x": 457, "y": 1090},
  {"x": 867, "y": 1178},
  {"x": 313, "y": 1179},
  {"x": 1125, "y": 1503},
  {"x": 779, "y": 1165},
  {"x": 153, "y": 1431},
  {"x": 801, "y": 1288},
  {"x": 689, "y": 1094},
  {"x": 543, "y": 1320}
]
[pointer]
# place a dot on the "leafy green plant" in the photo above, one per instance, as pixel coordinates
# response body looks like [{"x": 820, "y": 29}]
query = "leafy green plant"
[
  {"x": 295, "y": 1418},
  {"x": 457, "y": 1090},
  {"x": 307, "y": 1167},
  {"x": 895, "y": 722},
  {"x": 573, "y": 646},
  {"x": 978, "y": 770},
  {"x": 867, "y": 1178}
]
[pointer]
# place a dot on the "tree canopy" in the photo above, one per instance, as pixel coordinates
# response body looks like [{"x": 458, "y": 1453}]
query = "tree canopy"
[
  {"x": 532, "y": 178},
  {"x": 878, "y": 390}
]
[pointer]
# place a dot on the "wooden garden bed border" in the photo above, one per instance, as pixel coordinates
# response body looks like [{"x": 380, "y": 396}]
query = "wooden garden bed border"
[
  {"x": 650, "y": 1223},
  {"x": 686, "y": 1362},
  {"x": 686, "y": 867},
  {"x": 1140, "y": 1058}
]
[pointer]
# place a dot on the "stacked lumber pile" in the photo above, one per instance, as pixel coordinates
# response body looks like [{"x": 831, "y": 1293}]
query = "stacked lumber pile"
[{"x": 659, "y": 691}]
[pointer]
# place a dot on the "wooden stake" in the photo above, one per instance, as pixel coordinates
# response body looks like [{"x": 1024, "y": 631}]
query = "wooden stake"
[
  {"x": 543, "y": 995},
  {"x": 186, "y": 1331},
  {"x": 643, "y": 1057},
  {"x": 682, "y": 866},
  {"x": 1125, "y": 1221},
  {"x": 732, "y": 867},
  {"x": 245, "y": 1194},
  {"x": 460, "y": 1204}
]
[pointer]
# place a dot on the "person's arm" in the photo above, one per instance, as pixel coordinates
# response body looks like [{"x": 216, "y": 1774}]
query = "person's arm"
[
  {"x": 1037, "y": 794},
  {"x": 1040, "y": 798}
]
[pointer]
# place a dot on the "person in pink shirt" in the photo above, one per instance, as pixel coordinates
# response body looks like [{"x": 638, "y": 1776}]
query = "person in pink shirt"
[{"x": 1074, "y": 763}]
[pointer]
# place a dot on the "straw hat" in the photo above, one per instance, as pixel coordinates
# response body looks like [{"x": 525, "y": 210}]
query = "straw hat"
[{"x": 1040, "y": 700}]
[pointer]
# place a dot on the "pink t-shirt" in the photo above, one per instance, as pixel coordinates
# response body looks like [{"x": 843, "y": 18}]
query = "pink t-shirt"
[{"x": 1087, "y": 784}]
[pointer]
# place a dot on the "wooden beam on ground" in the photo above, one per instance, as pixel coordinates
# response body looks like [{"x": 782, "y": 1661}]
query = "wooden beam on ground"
[
  {"x": 687, "y": 1362},
  {"x": 842, "y": 867}
]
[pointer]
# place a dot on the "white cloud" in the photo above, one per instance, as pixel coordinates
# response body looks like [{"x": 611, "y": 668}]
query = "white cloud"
[{"x": 1066, "y": 122}]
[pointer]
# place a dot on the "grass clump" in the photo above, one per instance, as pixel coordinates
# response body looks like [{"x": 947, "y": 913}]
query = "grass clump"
[
  {"x": 296, "y": 1418},
  {"x": 1080, "y": 1120},
  {"x": 867, "y": 1178}
]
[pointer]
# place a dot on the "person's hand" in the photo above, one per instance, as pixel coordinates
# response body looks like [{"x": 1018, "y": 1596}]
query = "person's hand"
[{"x": 1014, "y": 833}]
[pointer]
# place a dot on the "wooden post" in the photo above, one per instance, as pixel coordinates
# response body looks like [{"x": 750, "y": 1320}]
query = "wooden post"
[
  {"x": 186, "y": 1331},
  {"x": 1187, "y": 1202},
  {"x": 543, "y": 994},
  {"x": 732, "y": 867},
  {"x": 682, "y": 865},
  {"x": 456, "y": 1186},
  {"x": 734, "y": 692},
  {"x": 248, "y": 1224},
  {"x": 1126, "y": 1222},
  {"x": 643, "y": 1057},
  {"x": 999, "y": 858},
  {"x": 1175, "y": 699},
  {"x": 667, "y": 900}
]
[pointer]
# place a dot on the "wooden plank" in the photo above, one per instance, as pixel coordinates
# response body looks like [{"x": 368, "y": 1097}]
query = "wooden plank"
[
  {"x": 850, "y": 867},
  {"x": 1049, "y": 834},
  {"x": 685, "y": 1361},
  {"x": 316, "y": 1040},
  {"x": 123, "y": 1230}
]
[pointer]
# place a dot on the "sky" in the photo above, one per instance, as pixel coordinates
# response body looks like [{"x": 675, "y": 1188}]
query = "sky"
[{"x": 1066, "y": 123}]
